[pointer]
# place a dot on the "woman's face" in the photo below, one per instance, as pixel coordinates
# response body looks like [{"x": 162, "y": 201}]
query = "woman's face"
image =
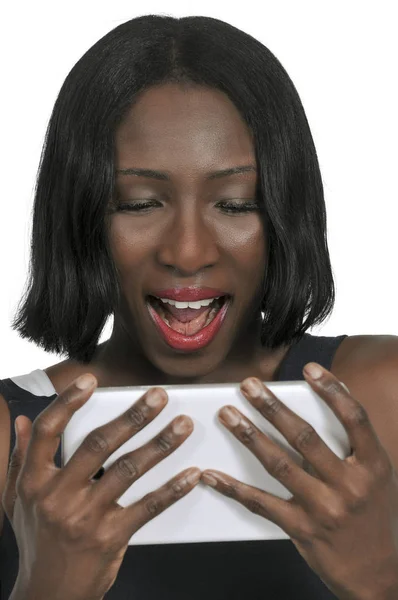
[{"x": 186, "y": 238}]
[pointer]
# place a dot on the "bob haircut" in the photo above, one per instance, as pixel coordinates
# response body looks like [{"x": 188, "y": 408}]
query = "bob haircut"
[{"x": 73, "y": 283}]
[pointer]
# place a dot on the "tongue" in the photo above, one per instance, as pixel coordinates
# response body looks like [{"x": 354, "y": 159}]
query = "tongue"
[
  {"x": 185, "y": 314},
  {"x": 189, "y": 328}
]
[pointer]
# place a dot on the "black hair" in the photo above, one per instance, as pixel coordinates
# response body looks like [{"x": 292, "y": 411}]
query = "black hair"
[{"x": 73, "y": 283}]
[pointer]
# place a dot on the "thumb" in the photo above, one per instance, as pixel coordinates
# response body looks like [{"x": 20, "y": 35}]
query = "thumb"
[{"x": 23, "y": 429}]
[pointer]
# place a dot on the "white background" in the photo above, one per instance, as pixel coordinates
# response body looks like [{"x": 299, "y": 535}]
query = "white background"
[{"x": 342, "y": 58}]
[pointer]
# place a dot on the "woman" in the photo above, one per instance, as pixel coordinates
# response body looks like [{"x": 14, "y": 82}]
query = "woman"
[{"x": 179, "y": 165}]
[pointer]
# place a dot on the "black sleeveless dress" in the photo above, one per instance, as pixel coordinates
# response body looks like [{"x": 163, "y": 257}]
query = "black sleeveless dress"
[{"x": 256, "y": 570}]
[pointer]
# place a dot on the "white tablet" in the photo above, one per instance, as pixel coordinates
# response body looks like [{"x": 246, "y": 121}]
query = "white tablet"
[{"x": 205, "y": 515}]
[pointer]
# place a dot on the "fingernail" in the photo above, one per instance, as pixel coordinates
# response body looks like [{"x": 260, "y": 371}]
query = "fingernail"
[
  {"x": 193, "y": 477},
  {"x": 181, "y": 425},
  {"x": 153, "y": 398},
  {"x": 313, "y": 370},
  {"x": 230, "y": 416},
  {"x": 85, "y": 381},
  {"x": 209, "y": 479},
  {"x": 252, "y": 388}
]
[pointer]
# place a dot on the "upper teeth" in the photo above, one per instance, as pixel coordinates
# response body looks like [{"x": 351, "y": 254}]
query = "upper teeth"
[{"x": 197, "y": 304}]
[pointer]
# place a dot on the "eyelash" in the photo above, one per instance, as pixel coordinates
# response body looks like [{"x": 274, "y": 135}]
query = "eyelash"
[{"x": 231, "y": 208}]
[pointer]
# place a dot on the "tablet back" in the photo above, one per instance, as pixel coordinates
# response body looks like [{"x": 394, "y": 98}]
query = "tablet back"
[{"x": 205, "y": 515}]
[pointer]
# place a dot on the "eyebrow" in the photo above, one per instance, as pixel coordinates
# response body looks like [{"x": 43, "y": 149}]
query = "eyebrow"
[{"x": 163, "y": 176}]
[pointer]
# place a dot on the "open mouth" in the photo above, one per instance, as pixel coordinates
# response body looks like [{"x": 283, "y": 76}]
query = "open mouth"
[{"x": 187, "y": 321}]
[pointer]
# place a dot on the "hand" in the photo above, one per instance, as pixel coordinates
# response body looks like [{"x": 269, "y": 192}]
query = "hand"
[
  {"x": 71, "y": 533},
  {"x": 343, "y": 519}
]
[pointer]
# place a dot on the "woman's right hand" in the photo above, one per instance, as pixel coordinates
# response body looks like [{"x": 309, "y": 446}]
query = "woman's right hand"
[{"x": 71, "y": 533}]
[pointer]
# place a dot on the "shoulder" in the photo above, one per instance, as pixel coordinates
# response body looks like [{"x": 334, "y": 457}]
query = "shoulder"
[
  {"x": 360, "y": 356},
  {"x": 368, "y": 365},
  {"x": 63, "y": 373}
]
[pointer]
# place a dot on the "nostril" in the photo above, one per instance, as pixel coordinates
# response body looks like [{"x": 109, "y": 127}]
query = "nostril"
[{"x": 99, "y": 473}]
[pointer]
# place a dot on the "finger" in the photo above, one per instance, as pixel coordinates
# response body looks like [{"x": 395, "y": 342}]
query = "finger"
[
  {"x": 100, "y": 443},
  {"x": 288, "y": 515},
  {"x": 300, "y": 434},
  {"x": 364, "y": 442},
  {"x": 278, "y": 463},
  {"x": 130, "y": 467},
  {"x": 49, "y": 425},
  {"x": 134, "y": 516},
  {"x": 22, "y": 437}
]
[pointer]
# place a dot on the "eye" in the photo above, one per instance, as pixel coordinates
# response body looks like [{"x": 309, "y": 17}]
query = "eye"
[
  {"x": 137, "y": 205},
  {"x": 228, "y": 206},
  {"x": 241, "y": 207}
]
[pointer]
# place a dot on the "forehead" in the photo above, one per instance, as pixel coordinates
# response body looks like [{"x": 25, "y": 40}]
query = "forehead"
[{"x": 185, "y": 126}]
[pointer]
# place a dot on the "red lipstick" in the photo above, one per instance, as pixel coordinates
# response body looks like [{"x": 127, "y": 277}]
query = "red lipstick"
[
  {"x": 189, "y": 343},
  {"x": 189, "y": 294}
]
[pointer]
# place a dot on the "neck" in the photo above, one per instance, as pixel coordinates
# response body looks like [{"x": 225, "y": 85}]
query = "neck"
[{"x": 121, "y": 362}]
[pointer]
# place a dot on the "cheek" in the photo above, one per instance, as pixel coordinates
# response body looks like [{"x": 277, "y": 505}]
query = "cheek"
[
  {"x": 249, "y": 247},
  {"x": 127, "y": 248}
]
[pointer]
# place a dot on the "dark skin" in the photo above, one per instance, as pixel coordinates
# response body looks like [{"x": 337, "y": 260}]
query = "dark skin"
[
  {"x": 186, "y": 238},
  {"x": 343, "y": 516}
]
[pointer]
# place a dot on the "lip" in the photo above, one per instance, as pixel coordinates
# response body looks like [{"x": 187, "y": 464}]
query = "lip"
[
  {"x": 189, "y": 294},
  {"x": 191, "y": 343}
]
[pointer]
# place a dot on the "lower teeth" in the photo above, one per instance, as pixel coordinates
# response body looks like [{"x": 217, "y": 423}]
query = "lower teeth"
[
  {"x": 212, "y": 314},
  {"x": 162, "y": 313}
]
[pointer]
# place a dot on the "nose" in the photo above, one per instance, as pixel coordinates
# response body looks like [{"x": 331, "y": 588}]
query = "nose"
[{"x": 190, "y": 242}]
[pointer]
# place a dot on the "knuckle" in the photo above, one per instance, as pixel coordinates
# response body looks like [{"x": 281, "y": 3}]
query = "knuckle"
[
  {"x": 96, "y": 442},
  {"x": 76, "y": 527},
  {"x": 255, "y": 506},
  {"x": 106, "y": 538},
  {"x": 231, "y": 489},
  {"x": 106, "y": 543},
  {"x": 334, "y": 517},
  {"x": 126, "y": 468},
  {"x": 178, "y": 488},
  {"x": 163, "y": 443},
  {"x": 306, "y": 438},
  {"x": 358, "y": 500},
  {"x": 153, "y": 505},
  {"x": 46, "y": 510},
  {"x": 23, "y": 491},
  {"x": 136, "y": 416},
  {"x": 270, "y": 407},
  {"x": 25, "y": 488},
  {"x": 72, "y": 525},
  {"x": 281, "y": 468},
  {"x": 333, "y": 387},
  {"x": 358, "y": 417},
  {"x": 41, "y": 426},
  {"x": 248, "y": 434},
  {"x": 303, "y": 530},
  {"x": 304, "y": 535}
]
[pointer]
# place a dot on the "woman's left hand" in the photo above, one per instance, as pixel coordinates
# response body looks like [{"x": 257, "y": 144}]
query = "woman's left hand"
[{"x": 344, "y": 519}]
